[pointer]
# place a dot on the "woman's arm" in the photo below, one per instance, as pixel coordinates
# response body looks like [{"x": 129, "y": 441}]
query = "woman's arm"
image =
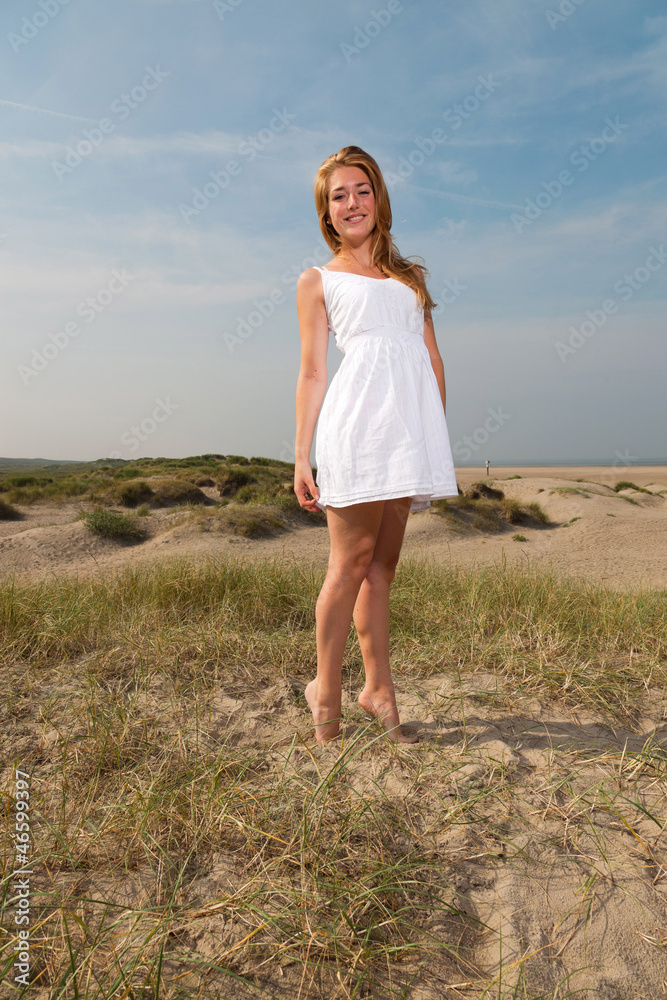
[
  {"x": 312, "y": 380},
  {"x": 434, "y": 354}
]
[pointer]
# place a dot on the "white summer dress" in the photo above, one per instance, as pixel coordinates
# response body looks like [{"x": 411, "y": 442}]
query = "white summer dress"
[{"x": 381, "y": 431}]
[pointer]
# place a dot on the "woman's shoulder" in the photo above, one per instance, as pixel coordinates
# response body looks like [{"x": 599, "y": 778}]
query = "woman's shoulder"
[
  {"x": 309, "y": 277},
  {"x": 310, "y": 285}
]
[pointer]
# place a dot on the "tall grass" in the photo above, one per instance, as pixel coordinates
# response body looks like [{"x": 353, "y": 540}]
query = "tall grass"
[
  {"x": 175, "y": 857},
  {"x": 566, "y": 637}
]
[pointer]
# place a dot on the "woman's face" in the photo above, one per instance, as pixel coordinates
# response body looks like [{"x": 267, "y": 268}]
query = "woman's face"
[{"x": 351, "y": 204}]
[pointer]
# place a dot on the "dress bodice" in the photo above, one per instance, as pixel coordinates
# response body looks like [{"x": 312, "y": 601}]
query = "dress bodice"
[{"x": 357, "y": 304}]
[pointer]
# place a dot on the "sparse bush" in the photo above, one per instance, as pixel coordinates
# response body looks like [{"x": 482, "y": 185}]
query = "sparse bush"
[
  {"x": 519, "y": 538},
  {"x": 143, "y": 510},
  {"x": 112, "y": 524}
]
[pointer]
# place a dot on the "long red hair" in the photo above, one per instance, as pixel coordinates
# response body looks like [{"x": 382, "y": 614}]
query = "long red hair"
[{"x": 384, "y": 253}]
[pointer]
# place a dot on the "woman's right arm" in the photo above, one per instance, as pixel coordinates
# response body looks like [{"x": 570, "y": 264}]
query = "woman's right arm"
[{"x": 311, "y": 383}]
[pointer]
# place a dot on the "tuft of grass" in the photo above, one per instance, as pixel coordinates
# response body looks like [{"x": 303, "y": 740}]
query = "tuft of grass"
[
  {"x": 134, "y": 494},
  {"x": 488, "y": 514},
  {"x": 568, "y": 490},
  {"x": 519, "y": 538},
  {"x": 9, "y": 512},
  {"x": 113, "y": 524},
  {"x": 537, "y": 512},
  {"x": 247, "y": 520},
  {"x": 175, "y": 492},
  {"x": 232, "y": 480}
]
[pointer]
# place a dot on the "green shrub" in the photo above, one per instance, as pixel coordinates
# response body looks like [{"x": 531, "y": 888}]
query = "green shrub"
[
  {"x": 111, "y": 524},
  {"x": 519, "y": 538}
]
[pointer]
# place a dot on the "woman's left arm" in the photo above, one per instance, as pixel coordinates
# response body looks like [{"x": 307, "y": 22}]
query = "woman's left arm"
[{"x": 434, "y": 354}]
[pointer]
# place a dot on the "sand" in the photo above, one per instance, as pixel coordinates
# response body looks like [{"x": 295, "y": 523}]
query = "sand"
[
  {"x": 617, "y": 539},
  {"x": 561, "y": 853}
]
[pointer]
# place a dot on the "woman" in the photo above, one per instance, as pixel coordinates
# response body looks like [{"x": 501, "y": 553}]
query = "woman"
[{"x": 382, "y": 445}]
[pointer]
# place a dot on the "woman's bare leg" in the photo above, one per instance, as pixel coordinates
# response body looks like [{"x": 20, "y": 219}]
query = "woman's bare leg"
[
  {"x": 353, "y": 532},
  {"x": 371, "y": 619}
]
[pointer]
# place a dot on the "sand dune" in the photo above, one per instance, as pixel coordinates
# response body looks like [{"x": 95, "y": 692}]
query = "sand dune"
[{"x": 615, "y": 538}]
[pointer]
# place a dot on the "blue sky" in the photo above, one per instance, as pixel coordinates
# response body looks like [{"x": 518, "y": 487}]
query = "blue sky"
[{"x": 524, "y": 145}]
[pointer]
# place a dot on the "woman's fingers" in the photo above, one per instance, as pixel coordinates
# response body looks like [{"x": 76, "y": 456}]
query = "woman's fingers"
[{"x": 304, "y": 487}]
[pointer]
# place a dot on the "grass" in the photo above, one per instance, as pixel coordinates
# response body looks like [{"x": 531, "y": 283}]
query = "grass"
[
  {"x": 625, "y": 484},
  {"x": 489, "y": 513},
  {"x": 532, "y": 627},
  {"x": 179, "y": 856},
  {"x": 158, "y": 481},
  {"x": 8, "y": 512},
  {"x": 112, "y": 524}
]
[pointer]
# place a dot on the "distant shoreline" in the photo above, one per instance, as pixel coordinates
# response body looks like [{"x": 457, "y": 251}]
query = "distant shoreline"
[{"x": 609, "y": 475}]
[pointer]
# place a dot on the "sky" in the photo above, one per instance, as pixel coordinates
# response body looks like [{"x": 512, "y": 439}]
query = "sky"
[{"x": 157, "y": 160}]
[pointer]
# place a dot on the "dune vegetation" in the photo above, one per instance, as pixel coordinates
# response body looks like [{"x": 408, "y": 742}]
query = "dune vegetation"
[{"x": 190, "y": 839}]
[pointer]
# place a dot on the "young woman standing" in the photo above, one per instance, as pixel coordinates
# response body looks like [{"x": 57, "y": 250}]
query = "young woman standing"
[{"x": 382, "y": 446}]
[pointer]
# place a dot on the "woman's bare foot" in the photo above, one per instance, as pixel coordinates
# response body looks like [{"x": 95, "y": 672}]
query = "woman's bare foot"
[
  {"x": 326, "y": 716},
  {"x": 381, "y": 705}
]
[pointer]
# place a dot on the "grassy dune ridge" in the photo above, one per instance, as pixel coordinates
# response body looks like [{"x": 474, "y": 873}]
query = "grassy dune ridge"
[
  {"x": 568, "y": 637},
  {"x": 191, "y": 840}
]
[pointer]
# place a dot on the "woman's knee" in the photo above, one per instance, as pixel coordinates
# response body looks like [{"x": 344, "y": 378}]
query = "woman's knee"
[
  {"x": 352, "y": 565},
  {"x": 381, "y": 571}
]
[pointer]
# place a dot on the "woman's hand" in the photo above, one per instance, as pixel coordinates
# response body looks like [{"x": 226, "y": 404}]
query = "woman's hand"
[{"x": 304, "y": 484}]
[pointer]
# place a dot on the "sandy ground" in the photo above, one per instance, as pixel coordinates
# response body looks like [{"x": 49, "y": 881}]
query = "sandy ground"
[
  {"x": 617, "y": 539},
  {"x": 548, "y": 824}
]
